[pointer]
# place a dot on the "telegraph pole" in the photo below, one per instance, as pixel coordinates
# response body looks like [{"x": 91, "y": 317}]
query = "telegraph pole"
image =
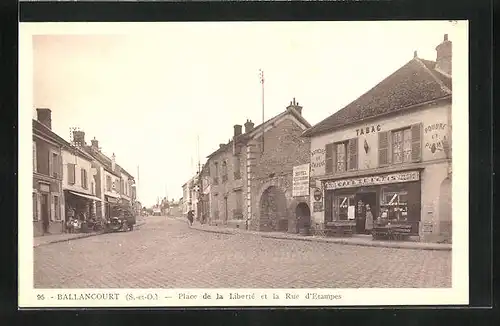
[{"x": 261, "y": 75}]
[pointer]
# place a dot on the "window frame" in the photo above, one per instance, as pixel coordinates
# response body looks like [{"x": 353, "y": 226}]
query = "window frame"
[
  {"x": 401, "y": 131},
  {"x": 345, "y": 144}
]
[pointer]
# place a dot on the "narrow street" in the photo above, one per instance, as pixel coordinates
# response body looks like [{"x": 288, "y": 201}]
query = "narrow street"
[{"x": 166, "y": 253}]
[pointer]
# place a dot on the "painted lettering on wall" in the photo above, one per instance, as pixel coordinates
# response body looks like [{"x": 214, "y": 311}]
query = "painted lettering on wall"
[
  {"x": 435, "y": 135},
  {"x": 368, "y": 129},
  {"x": 318, "y": 158}
]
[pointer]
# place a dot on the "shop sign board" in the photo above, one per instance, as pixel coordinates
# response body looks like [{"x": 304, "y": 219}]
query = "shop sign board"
[
  {"x": 373, "y": 180},
  {"x": 317, "y": 194},
  {"x": 301, "y": 180},
  {"x": 317, "y": 206}
]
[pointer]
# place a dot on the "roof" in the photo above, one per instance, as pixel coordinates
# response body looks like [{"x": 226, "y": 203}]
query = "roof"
[
  {"x": 248, "y": 135},
  {"x": 415, "y": 83},
  {"x": 39, "y": 128}
]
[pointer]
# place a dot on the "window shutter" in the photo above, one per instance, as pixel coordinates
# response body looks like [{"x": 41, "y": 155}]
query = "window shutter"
[
  {"x": 52, "y": 208},
  {"x": 353, "y": 154},
  {"x": 329, "y": 158},
  {"x": 416, "y": 143},
  {"x": 383, "y": 148},
  {"x": 51, "y": 167},
  {"x": 328, "y": 206}
]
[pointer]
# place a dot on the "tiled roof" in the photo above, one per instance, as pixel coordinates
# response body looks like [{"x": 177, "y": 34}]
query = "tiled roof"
[
  {"x": 42, "y": 129},
  {"x": 417, "y": 82}
]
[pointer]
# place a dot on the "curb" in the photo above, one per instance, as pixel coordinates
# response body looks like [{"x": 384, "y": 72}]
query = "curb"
[
  {"x": 394, "y": 245},
  {"x": 83, "y": 236}
]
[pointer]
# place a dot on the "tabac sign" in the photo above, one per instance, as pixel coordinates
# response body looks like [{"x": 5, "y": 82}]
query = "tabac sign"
[
  {"x": 301, "y": 180},
  {"x": 373, "y": 180}
]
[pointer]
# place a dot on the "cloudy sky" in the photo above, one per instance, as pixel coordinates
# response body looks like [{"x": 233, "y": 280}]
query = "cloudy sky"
[{"x": 147, "y": 93}]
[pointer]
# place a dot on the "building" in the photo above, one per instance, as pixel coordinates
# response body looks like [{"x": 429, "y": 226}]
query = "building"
[
  {"x": 78, "y": 182},
  {"x": 48, "y": 212},
  {"x": 250, "y": 181},
  {"x": 114, "y": 184},
  {"x": 390, "y": 149}
]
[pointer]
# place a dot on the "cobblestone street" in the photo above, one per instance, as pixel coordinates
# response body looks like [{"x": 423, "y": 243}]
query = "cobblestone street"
[{"x": 166, "y": 253}]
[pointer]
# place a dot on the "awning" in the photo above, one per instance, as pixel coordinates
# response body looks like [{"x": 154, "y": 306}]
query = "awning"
[
  {"x": 112, "y": 195},
  {"x": 85, "y": 196}
]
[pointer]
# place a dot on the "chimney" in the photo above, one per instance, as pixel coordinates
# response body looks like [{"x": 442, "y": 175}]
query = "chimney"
[
  {"x": 113, "y": 162},
  {"x": 221, "y": 145},
  {"x": 44, "y": 116},
  {"x": 95, "y": 144},
  {"x": 248, "y": 126},
  {"x": 78, "y": 138},
  {"x": 237, "y": 130},
  {"x": 296, "y": 106},
  {"x": 443, "y": 57}
]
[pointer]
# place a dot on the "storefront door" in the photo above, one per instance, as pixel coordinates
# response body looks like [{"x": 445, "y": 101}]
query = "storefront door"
[
  {"x": 45, "y": 212},
  {"x": 363, "y": 199}
]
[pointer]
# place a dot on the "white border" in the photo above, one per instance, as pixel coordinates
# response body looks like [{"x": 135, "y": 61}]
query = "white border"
[{"x": 30, "y": 297}]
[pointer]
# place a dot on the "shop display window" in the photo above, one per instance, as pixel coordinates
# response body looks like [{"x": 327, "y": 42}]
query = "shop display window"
[
  {"x": 394, "y": 205},
  {"x": 341, "y": 210}
]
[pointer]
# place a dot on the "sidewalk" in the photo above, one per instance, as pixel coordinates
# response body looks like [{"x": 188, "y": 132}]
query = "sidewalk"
[
  {"x": 61, "y": 237},
  {"x": 358, "y": 240}
]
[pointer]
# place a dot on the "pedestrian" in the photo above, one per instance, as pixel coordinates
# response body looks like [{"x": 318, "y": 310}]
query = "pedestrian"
[
  {"x": 190, "y": 217},
  {"x": 369, "y": 219}
]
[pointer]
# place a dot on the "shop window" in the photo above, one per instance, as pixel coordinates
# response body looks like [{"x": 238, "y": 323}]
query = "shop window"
[
  {"x": 343, "y": 208},
  {"x": 394, "y": 205}
]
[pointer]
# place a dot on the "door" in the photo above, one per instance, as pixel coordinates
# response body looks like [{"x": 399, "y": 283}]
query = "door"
[
  {"x": 363, "y": 199},
  {"x": 45, "y": 212}
]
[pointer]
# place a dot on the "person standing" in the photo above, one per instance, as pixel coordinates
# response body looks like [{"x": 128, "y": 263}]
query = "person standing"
[
  {"x": 369, "y": 219},
  {"x": 190, "y": 217}
]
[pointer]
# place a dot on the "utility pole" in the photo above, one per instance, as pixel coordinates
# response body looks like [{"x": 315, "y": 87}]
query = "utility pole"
[{"x": 261, "y": 73}]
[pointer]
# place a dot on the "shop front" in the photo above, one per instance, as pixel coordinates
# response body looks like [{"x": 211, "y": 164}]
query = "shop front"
[
  {"x": 80, "y": 206},
  {"x": 392, "y": 197}
]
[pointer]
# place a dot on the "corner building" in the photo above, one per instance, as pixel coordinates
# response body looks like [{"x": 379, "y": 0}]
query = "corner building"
[{"x": 390, "y": 149}]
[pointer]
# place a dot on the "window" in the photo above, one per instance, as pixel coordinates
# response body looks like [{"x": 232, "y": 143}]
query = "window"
[
  {"x": 341, "y": 206},
  {"x": 238, "y": 210},
  {"x": 84, "y": 180},
  {"x": 54, "y": 165},
  {"x": 71, "y": 174},
  {"x": 92, "y": 187},
  {"x": 57, "y": 209},
  {"x": 237, "y": 167},
  {"x": 108, "y": 183},
  {"x": 35, "y": 206},
  {"x": 216, "y": 177},
  {"x": 224, "y": 171},
  {"x": 121, "y": 187},
  {"x": 34, "y": 157},
  {"x": 401, "y": 146},
  {"x": 341, "y": 158},
  {"x": 394, "y": 205}
]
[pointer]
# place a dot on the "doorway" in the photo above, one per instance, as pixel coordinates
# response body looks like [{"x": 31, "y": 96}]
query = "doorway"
[
  {"x": 363, "y": 199},
  {"x": 303, "y": 216},
  {"x": 45, "y": 213}
]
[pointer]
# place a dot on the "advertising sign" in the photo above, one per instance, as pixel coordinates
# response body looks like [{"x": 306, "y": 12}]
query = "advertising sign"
[
  {"x": 373, "y": 180},
  {"x": 301, "y": 180}
]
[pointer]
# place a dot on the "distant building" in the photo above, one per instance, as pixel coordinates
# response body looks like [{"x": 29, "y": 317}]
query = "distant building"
[
  {"x": 390, "y": 149},
  {"x": 48, "y": 212}
]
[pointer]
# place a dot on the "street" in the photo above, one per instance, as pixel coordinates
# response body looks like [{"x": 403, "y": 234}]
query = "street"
[{"x": 166, "y": 253}]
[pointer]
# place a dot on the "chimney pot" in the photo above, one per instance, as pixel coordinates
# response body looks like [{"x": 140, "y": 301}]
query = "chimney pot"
[
  {"x": 95, "y": 143},
  {"x": 221, "y": 145},
  {"x": 414, "y": 54},
  {"x": 44, "y": 116},
  {"x": 78, "y": 138},
  {"x": 446, "y": 37},
  {"x": 248, "y": 126},
  {"x": 444, "y": 56}
]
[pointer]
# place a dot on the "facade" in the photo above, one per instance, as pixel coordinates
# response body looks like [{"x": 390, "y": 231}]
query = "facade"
[
  {"x": 389, "y": 149},
  {"x": 79, "y": 183},
  {"x": 48, "y": 212},
  {"x": 250, "y": 178}
]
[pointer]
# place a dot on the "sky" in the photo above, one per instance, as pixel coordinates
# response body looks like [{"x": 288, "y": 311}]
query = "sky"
[{"x": 147, "y": 94}]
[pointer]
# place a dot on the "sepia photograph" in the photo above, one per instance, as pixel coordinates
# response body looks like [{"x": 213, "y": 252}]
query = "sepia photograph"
[{"x": 301, "y": 160}]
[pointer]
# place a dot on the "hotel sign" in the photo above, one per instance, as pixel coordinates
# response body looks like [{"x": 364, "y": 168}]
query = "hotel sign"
[
  {"x": 300, "y": 180},
  {"x": 373, "y": 180}
]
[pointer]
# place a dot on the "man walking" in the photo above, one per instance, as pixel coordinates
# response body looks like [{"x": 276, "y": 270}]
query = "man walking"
[{"x": 190, "y": 217}]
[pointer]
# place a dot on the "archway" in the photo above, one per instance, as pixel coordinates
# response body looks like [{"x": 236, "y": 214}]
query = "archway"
[
  {"x": 273, "y": 213},
  {"x": 303, "y": 215},
  {"x": 445, "y": 213}
]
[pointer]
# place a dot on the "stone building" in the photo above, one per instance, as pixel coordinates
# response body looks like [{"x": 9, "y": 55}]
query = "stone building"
[
  {"x": 390, "y": 149},
  {"x": 48, "y": 212},
  {"x": 251, "y": 176}
]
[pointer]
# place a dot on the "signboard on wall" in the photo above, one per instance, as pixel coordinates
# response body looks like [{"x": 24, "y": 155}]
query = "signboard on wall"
[
  {"x": 373, "y": 180},
  {"x": 300, "y": 180},
  {"x": 317, "y": 206}
]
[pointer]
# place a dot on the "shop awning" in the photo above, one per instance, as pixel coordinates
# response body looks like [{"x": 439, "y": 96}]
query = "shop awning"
[
  {"x": 85, "y": 196},
  {"x": 112, "y": 195}
]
